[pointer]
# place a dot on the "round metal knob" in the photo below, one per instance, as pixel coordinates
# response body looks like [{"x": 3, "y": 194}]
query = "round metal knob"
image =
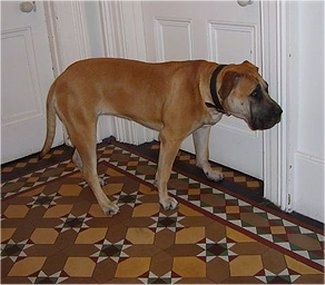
[
  {"x": 244, "y": 3},
  {"x": 27, "y": 6}
]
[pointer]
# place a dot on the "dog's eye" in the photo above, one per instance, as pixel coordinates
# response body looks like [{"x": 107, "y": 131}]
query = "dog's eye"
[{"x": 256, "y": 92}]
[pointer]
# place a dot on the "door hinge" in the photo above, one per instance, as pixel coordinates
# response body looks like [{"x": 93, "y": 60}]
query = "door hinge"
[{"x": 289, "y": 199}]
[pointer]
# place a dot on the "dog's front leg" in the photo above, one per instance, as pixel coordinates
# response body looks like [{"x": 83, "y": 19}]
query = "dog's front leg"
[
  {"x": 167, "y": 154},
  {"x": 201, "y": 143}
]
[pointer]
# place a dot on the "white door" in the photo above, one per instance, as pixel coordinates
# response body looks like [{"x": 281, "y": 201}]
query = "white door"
[
  {"x": 25, "y": 78},
  {"x": 220, "y": 31}
]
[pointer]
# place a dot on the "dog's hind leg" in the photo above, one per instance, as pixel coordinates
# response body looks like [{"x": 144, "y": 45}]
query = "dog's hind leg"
[
  {"x": 201, "y": 143},
  {"x": 85, "y": 157},
  {"x": 78, "y": 162}
]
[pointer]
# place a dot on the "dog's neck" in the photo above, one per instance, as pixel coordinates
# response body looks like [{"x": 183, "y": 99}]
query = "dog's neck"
[{"x": 213, "y": 90}]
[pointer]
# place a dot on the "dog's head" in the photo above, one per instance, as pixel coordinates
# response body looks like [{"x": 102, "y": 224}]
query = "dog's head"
[{"x": 244, "y": 94}]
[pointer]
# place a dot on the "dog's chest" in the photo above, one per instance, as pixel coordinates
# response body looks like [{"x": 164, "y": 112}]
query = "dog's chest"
[{"x": 213, "y": 117}]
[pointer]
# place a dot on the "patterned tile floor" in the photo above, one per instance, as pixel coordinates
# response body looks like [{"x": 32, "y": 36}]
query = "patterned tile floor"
[{"x": 52, "y": 230}]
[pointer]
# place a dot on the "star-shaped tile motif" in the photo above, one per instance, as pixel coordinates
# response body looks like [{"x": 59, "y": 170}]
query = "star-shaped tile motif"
[
  {"x": 131, "y": 199},
  {"x": 42, "y": 278},
  {"x": 114, "y": 251},
  {"x": 76, "y": 223},
  {"x": 283, "y": 277},
  {"x": 212, "y": 249},
  {"x": 44, "y": 200},
  {"x": 170, "y": 222},
  {"x": 168, "y": 278},
  {"x": 14, "y": 250}
]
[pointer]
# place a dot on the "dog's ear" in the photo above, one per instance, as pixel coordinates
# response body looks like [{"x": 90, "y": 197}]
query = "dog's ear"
[
  {"x": 248, "y": 63},
  {"x": 229, "y": 81}
]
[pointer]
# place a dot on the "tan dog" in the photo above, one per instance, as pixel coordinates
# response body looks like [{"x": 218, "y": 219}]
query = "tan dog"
[{"x": 174, "y": 98}]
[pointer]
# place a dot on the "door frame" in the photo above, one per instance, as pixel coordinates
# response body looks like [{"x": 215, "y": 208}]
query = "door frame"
[
  {"x": 63, "y": 19},
  {"x": 275, "y": 49}
]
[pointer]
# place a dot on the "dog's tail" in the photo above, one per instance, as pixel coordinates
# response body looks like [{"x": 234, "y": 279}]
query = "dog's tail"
[{"x": 51, "y": 122}]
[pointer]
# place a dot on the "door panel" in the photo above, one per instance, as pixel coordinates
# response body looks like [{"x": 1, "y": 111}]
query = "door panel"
[
  {"x": 171, "y": 31},
  {"x": 17, "y": 47},
  {"x": 220, "y": 31},
  {"x": 26, "y": 77}
]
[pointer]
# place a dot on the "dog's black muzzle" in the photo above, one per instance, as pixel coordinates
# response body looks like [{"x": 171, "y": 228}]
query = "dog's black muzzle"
[{"x": 265, "y": 115}]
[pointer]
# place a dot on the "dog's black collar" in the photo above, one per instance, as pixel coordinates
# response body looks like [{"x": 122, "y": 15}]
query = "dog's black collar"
[{"x": 213, "y": 90}]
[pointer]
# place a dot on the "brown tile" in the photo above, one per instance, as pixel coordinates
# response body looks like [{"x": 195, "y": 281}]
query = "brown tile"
[
  {"x": 133, "y": 267},
  {"x": 16, "y": 211},
  {"x": 213, "y": 200},
  {"x": 278, "y": 230},
  {"x": 218, "y": 270},
  {"x": 240, "y": 179},
  {"x": 91, "y": 236},
  {"x": 12, "y": 187},
  {"x": 254, "y": 219},
  {"x": 79, "y": 267},
  {"x": 55, "y": 262},
  {"x": 142, "y": 250},
  {"x": 237, "y": 236},
  {"x": 184, "y": 250},
  {"x": 105, "y": 271},
  {"x": 164, "y": 239},
  {"x": 189, "y": 267},
  {"x": 147, "y": 190},
  {"x": 7, "y": 169},
  {"x": 140, "y": 236},
  {"x": 274, "y": 261},
  {"x": 96, "y": 211},
  {"x": 215, "y": 231},
  {"x": 246, "y": 265},
  {"x": 27, "y": 266},
  {"x": 58, "y": 211},
  {"x": 70, "y": 190},
  {"x": 190, "y": 235},
  {"x": 113, "y": 188},
  {"x": 7, "y": 233},
  {"x": 300, "y": 267},
  {"x": 246, "y": 248},
  {"x": 232, "y": 209},
  {"x": 187, "y": 211},
  {"x": 116, "y": 232},
  {"x": 146, "y": 210},
  {"x": 194, "y": 191},
  {"x": 195, "y": 221},
  {"x": 304, "y": 242},
  {"x": 253, "y": 184},
  {"x": 311, "y": 279},
  {"x": 161, "y": 263},
  {"x": 44, "y": 236}
]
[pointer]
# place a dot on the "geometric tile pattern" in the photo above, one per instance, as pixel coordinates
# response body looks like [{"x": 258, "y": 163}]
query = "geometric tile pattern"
[
  {"x": 253, "y": 219},
  {"x": 53, "y": 231},
  {"x": 187, "y": 160}
]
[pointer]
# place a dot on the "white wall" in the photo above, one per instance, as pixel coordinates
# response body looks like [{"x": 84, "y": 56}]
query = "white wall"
[{"x": 306, "y": 107}]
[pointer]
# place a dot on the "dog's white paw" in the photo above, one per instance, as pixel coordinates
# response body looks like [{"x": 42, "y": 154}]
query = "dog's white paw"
[
  {"x": 169, "y": 203},
  {"x": 214, "y": 175},
  {"x": 111, "y": 210}
]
